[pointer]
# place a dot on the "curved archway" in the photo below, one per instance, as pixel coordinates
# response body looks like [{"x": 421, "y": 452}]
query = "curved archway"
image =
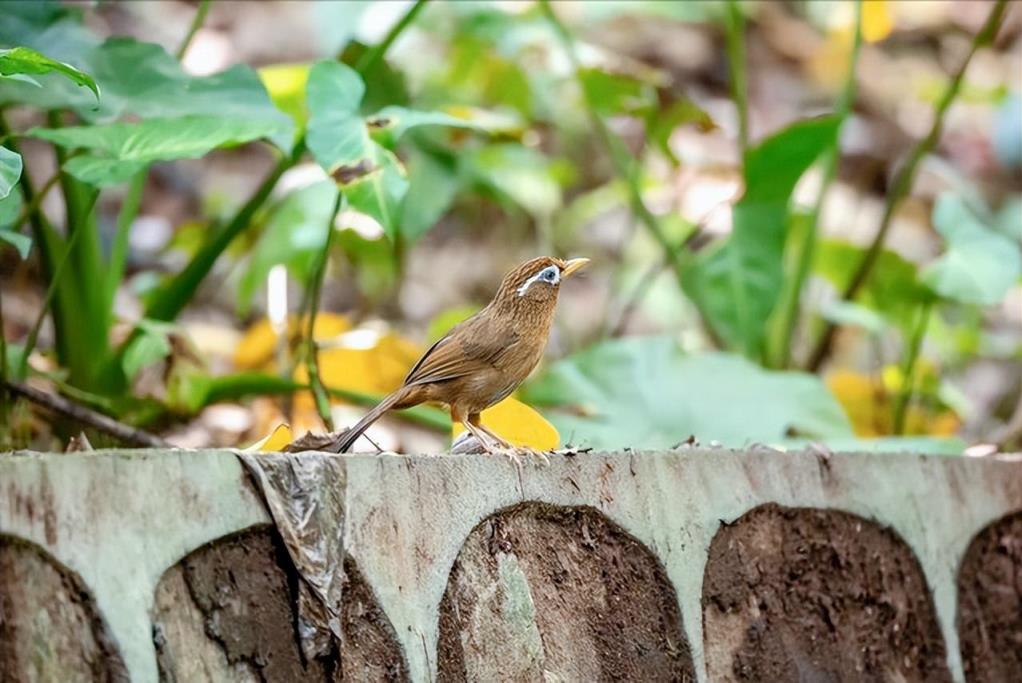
[
  {"x": 50, "y": 627},
  {"x": 810, "y": 594},
  {"x": 563, "y": 593},
  {"x": 227, "y": 612},
  {"x": 990, "y": 602}
]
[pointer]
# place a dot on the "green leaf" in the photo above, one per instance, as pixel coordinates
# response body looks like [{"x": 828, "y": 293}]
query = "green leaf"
[
  {"x": 23, "y": 60},
  {"x": 892, "y": 290},
  {"x": 432, "y": 186},
  {"x": 380, "y": 191},
  {"x": 615, "y": 94},
  {"x": 47, "y": 26},
  {"x": 519, "y": 174},
  {"x": 644, "y": 392},
  {"x": 143, "y": 80},
  {"x": 980, "y": 264},
  {"x": 337, "y": 136},
  {"x": 737, "y": 284},
  {"x": 119, "y": 150},
  {"x": 152, "y": 345},
  {"x": 295, "y": 233},
  {"x": 22, "y": 243},
  {"x": 10, "y": 171},
  {"x": 852, "y": 314}
]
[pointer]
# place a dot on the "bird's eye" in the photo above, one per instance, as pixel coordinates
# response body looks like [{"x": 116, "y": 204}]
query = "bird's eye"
[{"x": 549, "y": 275}]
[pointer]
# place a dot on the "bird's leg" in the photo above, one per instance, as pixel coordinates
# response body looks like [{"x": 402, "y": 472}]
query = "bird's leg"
[
  {"x": 531, "y": 452},
  {"x": 493, "y": 444}
]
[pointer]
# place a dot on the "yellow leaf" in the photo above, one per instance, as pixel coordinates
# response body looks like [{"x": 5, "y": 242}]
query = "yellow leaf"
[
  {"x": 378, "y": 369},
  {"x": 275, "y": 441},
  {"x": 869, "y": 403},
  {"x": 877, "y": 21},
  {"x": 256, "y": 348},
  {"x": 286, "y": 85},
  {"x": 519, "y": 424}
]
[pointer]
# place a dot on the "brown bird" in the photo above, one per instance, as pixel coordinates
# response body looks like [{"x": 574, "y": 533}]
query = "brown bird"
[{"x": 483, "y": 359}]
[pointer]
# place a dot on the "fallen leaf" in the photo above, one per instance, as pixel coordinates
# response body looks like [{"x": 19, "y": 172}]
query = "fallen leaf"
[
  {"x": 274, "y": 441},
  {"x": 517, "y": 423},
  {"x": 256, "y": 348}
]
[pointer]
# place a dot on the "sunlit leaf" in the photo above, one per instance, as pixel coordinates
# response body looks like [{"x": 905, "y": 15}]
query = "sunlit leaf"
[
  {"x": 285, "y": 84},
  {"x": 10, "y": 171},
  {"x": 877, "y": 21},
  {"x": 869, "y": 403},
  {"x": 737, "y": 284},
  {"x": 23, "y": 60},
  {"x": 143, "y": 80},
  {"x": 273, "y": 442},
  {"x": 643, "y": 392},
  {"x": 517, "y": 423},
  {"x": 980, "y": 264},
  {"x": 256, "y": 348},
  {"x": 119, "y": 150},
  {"x": 377, "y": 367}
]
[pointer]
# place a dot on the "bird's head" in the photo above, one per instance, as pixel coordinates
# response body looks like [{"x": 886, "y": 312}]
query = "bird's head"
[{"x": 537, "y": 280}]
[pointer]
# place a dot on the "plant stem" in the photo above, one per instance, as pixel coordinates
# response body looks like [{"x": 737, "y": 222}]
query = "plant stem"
[
  {"x": 311, "y": 352},
  {"x": 37, "y": 199},
  {"x": 734, "y": 36},
  {"x": 119, "y": 248},
  {"x": 624, "y": 165},
  {"x": 51, "y": 292},
  {"x": 171, "y": 299},
  {"x": 197, "y": 21},
  {"x": 908, "y": 370},
  {"x": 791, "y": 309},
  {"x": 906, "y": 176},
  {"x": 371, "y": 57}
]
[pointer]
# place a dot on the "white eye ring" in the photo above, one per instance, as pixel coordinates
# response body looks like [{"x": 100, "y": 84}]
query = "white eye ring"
[{"x": 550, "y": 275}]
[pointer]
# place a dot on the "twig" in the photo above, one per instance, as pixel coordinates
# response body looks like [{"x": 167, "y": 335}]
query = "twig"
[
  {"x": 311, "y": 351},
  {"x": 103, "y": 423},
  {"x": 905, "y": 177},
  {"x": 369, "y": 59},
  {"x": 791, "y": 311},
  {"x": 624, "y": 165},
  {"x": 904, "y": 397},
  {"x": 734, "y": 37},
  {"x": 197, "y": 21}
]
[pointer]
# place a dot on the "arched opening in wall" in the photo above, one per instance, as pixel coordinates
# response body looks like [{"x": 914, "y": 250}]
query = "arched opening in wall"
[
  {"x": 228, "y": 612},
  {"x": 990, "y": 603},
  {"x": 541, "y": 592},
  {"x": 50, "y": 627},
  {"x": 806, "y": 594}
]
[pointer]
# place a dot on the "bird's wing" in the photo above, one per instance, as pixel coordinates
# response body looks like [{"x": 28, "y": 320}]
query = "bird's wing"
[{"x": 456, "y": 355}]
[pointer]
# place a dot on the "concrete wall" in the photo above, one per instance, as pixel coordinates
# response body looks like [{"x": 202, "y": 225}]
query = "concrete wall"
[{"x": 682, "y": 565}]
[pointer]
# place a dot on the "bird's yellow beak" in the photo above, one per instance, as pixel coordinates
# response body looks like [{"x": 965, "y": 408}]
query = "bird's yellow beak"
[{"x": 573, "y": 265}]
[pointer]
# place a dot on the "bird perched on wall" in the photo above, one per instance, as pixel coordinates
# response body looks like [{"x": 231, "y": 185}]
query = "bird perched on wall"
[{"x": 483, "y": 359}]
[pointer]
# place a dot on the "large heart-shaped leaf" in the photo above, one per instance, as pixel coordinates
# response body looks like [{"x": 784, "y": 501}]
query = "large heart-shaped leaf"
[
  {"x": 23, "y": 60},
  {"x": 143, "y": 80},
  {"x": 644, "y": 392},
  {"x": 737, "y": 284},
  {"x": 10, "y": 204},
  {"x": 980, "y": 264},
  {"x": 119, "y": 150}
]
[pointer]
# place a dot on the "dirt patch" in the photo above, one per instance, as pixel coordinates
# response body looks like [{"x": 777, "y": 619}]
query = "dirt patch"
[
  {"x": 990, "y": 602},
  {"x": 817, "y": 595},
  {"x": 227, "y": 612},
  {"x": 50, "y": 629},
  {"x": 539, "y": 592}
]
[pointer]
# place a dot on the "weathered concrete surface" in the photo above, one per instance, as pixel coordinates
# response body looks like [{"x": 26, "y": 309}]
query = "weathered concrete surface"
[{"x": 122, "y": 522}]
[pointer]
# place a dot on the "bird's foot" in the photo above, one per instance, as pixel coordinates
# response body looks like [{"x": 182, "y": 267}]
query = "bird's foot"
[{"x": 538, "y": 457}]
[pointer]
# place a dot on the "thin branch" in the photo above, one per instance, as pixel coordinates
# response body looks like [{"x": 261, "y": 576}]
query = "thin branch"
[
  {"x": 311, "y": 352},
  {"x": 80, "y": 413},
  {"x": 906, "y": 176},
  {"x": 791, "y": 312},
  {"x": 904, "y": 397},
  {"x": 624, "y": 165},
  {"x": 734, "y": 37},
  {"x": 197, "y": 21},
  {"x": 371, "y": 57}
]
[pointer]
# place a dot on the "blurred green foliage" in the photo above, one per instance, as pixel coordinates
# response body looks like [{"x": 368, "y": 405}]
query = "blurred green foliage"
[{"x": 511, "y": 115}]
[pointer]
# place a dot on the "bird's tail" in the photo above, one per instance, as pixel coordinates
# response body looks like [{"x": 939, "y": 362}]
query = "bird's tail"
[{"x": 348, "y": 438}]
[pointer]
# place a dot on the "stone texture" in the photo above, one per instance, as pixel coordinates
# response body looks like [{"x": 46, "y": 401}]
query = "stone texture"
[{"x": 802, "y": 594}]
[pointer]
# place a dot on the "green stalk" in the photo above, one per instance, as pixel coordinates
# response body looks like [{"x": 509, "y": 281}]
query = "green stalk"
[
  {"x": 625, "y": 166},
  {"x": 371, "y": 57},
  {"x": 311, "y": 352},
  {"x": 734, "y": 36},
  {"x": 197, "y": 21},
  {"x": 51, "y": 292},
  {"x": 790, "y": 309},
  {"x": 906, "y": 176},
  {"x": 904, "y": 397},
  {"x": 119, "y": 249}
]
